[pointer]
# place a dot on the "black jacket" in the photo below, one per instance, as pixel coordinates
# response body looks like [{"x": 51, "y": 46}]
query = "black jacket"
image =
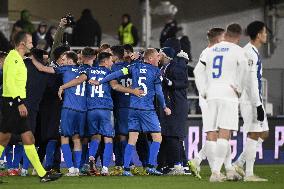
[
  {"x": 86, "y": 32},
  {"x": 176, "y": 98},
  {"x": 36, "y": 84}
]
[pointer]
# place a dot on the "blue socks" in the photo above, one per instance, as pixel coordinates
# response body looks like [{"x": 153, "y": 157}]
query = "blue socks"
[
  {"x": 154, "y": 150},
  {"x": 18, "y": 154},
  {"x": 107, "y": 154},
  {"x": 77, "y": 158},
  {"x": 67, "y": 154},
  {"x": 128, "y": 155},
  {"x": 94, "y": 145},
  {"x": 50, "y": 150},
  {"x": 9, "y": 156}
]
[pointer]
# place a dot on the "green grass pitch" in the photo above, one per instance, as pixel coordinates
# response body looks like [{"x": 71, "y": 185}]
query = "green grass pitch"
[{"x": 274, "y": 173}]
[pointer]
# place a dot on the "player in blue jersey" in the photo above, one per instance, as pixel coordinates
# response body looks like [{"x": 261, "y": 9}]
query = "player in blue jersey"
[
  {"x": 100, "y": 105},
  {"x": 142, "y": 115},
  {"x": 121, "y": 107},
  {"x": 73, "y": 113}
]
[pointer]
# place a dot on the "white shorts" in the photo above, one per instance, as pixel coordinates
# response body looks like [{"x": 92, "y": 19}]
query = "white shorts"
[
  {"x": 222, "y": 114},
  {"x": 251, "y": 124},
  {"x": 204, "y": 110}
]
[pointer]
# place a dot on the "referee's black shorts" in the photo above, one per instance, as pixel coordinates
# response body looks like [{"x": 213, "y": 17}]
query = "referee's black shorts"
[{"x": 12, "y": 122}]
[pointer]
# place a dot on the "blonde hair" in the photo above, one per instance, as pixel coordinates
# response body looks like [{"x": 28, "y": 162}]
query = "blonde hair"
[{"x": 149, "y": 52}]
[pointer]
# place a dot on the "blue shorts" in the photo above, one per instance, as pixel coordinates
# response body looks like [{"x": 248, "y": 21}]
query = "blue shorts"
[
  {"x": 99, "y": 122},
  {"x": 143, "y": 121},
  {"x": 72, "y": 122},
  {"x": 121, "y": 121}
]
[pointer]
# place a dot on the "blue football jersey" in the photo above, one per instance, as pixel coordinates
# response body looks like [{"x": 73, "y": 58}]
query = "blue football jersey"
[
  {"x": 99, "y": 97},
  {"x": 121, "y": 100},
  {"x": 145, "y": 76},
  {"x": 74, "y": 97}
]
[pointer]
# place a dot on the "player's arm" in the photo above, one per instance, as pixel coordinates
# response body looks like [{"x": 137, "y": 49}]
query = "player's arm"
[
  {"x": 118, "y": 87},
  {"x": 255, "y": 93},
  {"x": 200, "y": 77},
  {"x": 161, "y": 99},
  {"x": 77, "y": 81},
  {"x": 242, "y": 76},
  {"x": 58, "y": 37},
  {"x": 110, "y": 77},
  {"x": 41, "y": 67},
  {"x": 255, "y": 97}
]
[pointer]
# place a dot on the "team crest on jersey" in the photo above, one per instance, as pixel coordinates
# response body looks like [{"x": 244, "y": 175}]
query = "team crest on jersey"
[{"x": 250, "y": 62}]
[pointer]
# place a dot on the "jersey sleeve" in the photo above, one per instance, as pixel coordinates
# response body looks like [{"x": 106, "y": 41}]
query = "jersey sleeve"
[
  {"x": 243, "y": 71},
  {"x": 200, "y": 75},
  {"x": 253, "y": 80},
  {"x": 160, "y": 95},
  {"x": 158, "y": 77},
  {"x": 60, "y": 69}
]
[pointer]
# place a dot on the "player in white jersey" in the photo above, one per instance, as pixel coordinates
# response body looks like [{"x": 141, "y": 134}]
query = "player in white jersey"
[
  {"x": 225, "y": 66},
  {"x": 214, "y": 36},
  {"x": 251, "y": 105}
]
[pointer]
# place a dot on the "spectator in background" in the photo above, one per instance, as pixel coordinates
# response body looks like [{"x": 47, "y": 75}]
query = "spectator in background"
[
  {"x": 4, "y": 43},
  {"x": 25, "y": 22},
  {"x": 40, "y": 33},
  {"x": 127, "y": 32},
  {"x": 17, "y": 27},
  {"x": 87, "y": 31},
  {"x": 169, "y": 31},
  {"x": 185, "y": 43},
  {"x": 49, "y": 37}
]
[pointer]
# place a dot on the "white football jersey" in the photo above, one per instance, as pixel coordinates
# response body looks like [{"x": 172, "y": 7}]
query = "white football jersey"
[
  {"x": 200, "y": 79},
  {"x": 225, "y": 67},
  {"x": 252, "y": 91}
]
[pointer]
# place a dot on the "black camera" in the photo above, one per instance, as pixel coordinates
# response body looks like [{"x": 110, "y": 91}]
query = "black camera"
[{"x": 70, "y": 20}]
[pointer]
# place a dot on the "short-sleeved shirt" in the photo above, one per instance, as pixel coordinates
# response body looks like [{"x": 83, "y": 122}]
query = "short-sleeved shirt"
[
  {"x": 122, "y": 100},
  {"x": 145, "y": 76},
  {"x": 98, "y": 97},
  {"x": 74, "y": 97},
  {"x": 14, "y": 76}
]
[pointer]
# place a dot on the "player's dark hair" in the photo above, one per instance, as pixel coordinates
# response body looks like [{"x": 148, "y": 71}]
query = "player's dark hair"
[
  {"x": 103, "y": 47},
  {"x": 59, "y": 51},
  {"x": 72, "y": 55},
  {"x": 234, "y": 30},
  {"x": 254, "y": 28},
  {"x": 20, "y": 37},
  {"x": 88, "y": 52},
  {"x": 102, "y": 56},
  {"x": 118, "y": 51},
  {"x": 128, "y": 48},
  {"x": 214, "y": 32}
]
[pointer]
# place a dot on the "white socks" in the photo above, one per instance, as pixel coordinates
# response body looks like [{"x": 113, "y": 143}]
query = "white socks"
[
  {"x": 210, "y": 151},
  {"x": 228, "y": 159},
  {"x": 250, "y": 150},
  {"x": 201, "y": 154},
  {"x": 221, "y": 152}
]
